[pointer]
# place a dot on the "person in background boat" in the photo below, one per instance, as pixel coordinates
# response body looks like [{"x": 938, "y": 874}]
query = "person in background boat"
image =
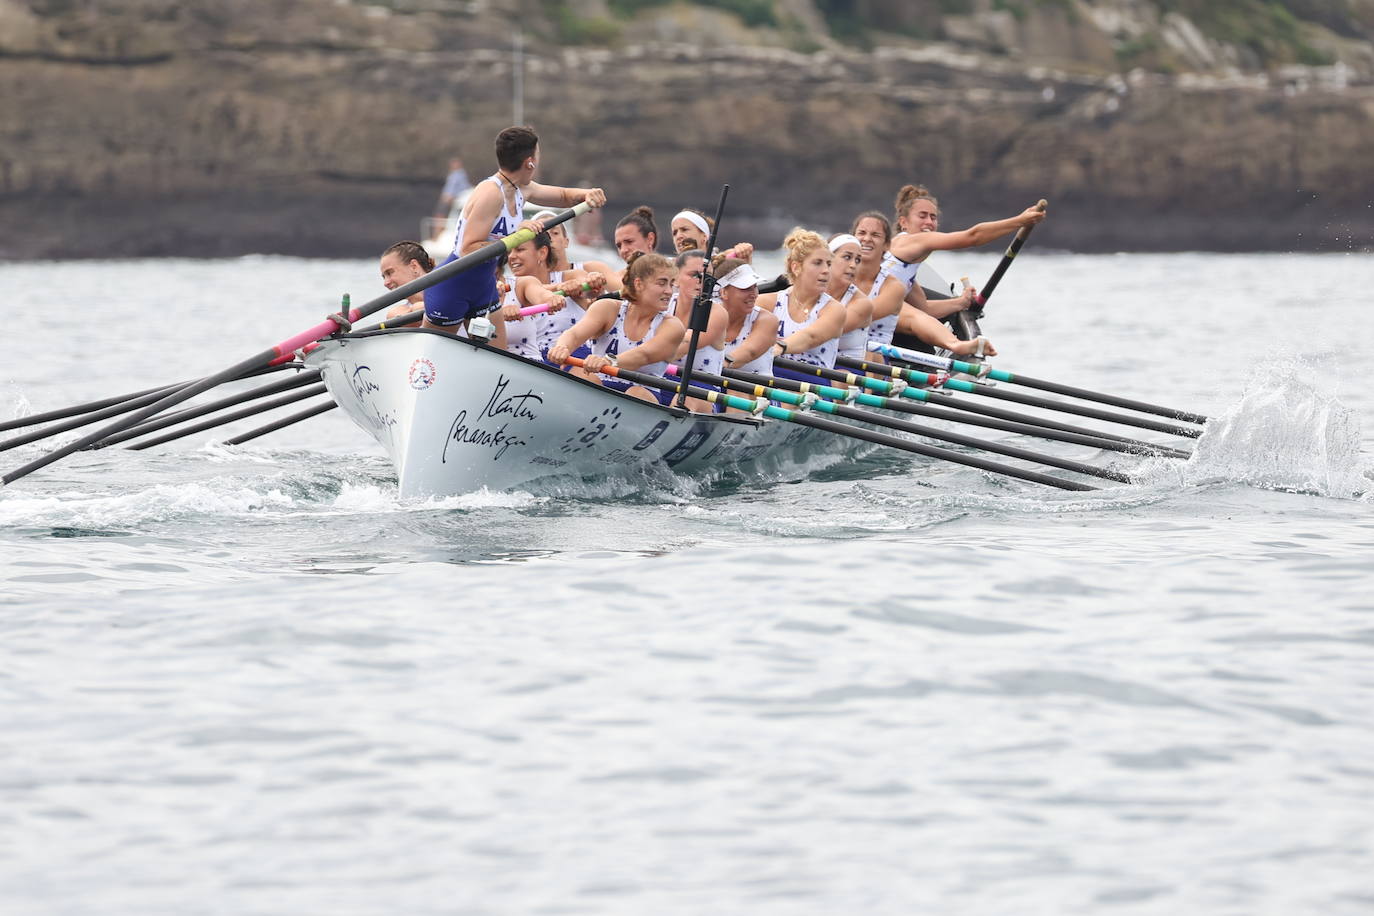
[
  {"x": 751, "y": 331},
  {"x": 809, "y": 320},
  {"x": 711, "y": 343},
  {"x": 888, "y": 293},
  {"x": 587, "y": 229},
  {"x": 562, "y": 262},
  {"x": 691, "y": 230},
  {"x": 636, "y": 332},
  {"x": 400, "y": 264},
  {"x": 455, "y": 184},
  {"x": 918, "y": 219},
  {"x": 493, "y": 210},
  {"x": 858, "y": 308}
]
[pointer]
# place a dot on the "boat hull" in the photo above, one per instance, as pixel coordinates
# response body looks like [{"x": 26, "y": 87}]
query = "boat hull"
[{"x": 456, "y": 416}]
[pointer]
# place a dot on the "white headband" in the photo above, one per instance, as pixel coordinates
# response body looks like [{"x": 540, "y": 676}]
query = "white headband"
[
  {"x": 840, "y": 241},
  {"x": 543, "y": 214},
  {"x": 741, "y": 277},
  {"x": 696, "y": 219}
]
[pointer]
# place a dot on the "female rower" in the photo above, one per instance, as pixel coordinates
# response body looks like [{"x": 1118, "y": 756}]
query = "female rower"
[
  {"x": 563, "y": 264},
  {"x": 890, "y": 287},
  {"x": 691, "y": 230},
  {"x": 858, "y": 309},
  {"x": 400, "y": 264},
  {"x": 809, "y": 320},
  {"x": 918, "y": 217},
  {"x": 529, "y": 262},
  {"x": 751, "y": 331},
  {"x": 636, "y": 333},
  {"x": 711, "y": 343}
]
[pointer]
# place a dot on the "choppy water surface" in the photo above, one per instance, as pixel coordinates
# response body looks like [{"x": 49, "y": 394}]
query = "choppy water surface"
[{"x": 248, "y": 680}]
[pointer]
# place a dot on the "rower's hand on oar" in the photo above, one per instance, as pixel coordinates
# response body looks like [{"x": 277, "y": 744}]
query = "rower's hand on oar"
[
  {"x": 968, "y": 298},
  {"x": 1031, "y": 216},
  {"x": 511, "y": 312},
  {"x": 596, "y": 363},
  {"x": 972, "y": 347},
  {"x": 558, "y": 355},
  {"x": 535, "y": 226},
  {"x": 595, "y": 197},
  {"x": 744, "y": 251}
]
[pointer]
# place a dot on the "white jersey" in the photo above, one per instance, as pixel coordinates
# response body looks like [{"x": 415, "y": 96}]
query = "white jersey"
[
  {"x": 555, "y": 323},
  {"x": 853, "y": 344},
  {"x": 823, "y": 354},
  {"x": 761, "y": 364},
  {"x": 880, "y": 330},
  {"x": 522, "y": 337},
  {"x": 615, "y": 341},
  {"x": 900, "y": 269},
  {"x": 505, "y": 222}
]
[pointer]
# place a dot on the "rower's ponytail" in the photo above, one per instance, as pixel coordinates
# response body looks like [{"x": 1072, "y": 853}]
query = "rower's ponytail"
[
  {"x": 799, "y": 244},
  {"x": 908, "y": 195},
  {"x": 642, "y": 218}
]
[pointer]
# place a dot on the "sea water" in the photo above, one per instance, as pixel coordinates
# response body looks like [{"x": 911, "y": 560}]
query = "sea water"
[{"x": 249, "y": 680}]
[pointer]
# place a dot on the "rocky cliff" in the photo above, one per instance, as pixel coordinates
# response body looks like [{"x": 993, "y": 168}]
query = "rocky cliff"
[{"x": 321, "y": 127}]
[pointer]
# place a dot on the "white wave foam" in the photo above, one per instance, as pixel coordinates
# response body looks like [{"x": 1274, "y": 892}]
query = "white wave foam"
[
  {"x": 154, "y": 504},
  {"x": 1289, "y": 431},
  {"x": 13, "y": 404},
  {"x": 371, "y": 498}
]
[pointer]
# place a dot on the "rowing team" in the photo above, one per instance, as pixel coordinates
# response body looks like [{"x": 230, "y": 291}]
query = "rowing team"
[{"x": 856, "y": 288}]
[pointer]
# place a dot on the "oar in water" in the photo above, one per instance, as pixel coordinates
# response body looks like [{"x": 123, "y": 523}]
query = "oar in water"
[
  {"x": 275, "y": 425},
  {"x": 1013, "y": 396},
  {"x": 840, "y": 409},
  {"x": 284, "y": 351},
  {"x": 230, "y": 417},
  {"x": 311, "y": 377},
  {"x": 801, "y": 418},
  {"x": 89, "y": 407},
  {"x": 931, "y": 361},
  {"x": 751, "y": 381},
  {"x": 945, "y": 399}
]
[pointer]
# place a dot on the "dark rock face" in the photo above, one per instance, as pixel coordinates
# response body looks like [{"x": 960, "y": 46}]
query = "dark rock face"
[{"x": 151, "y": 128}]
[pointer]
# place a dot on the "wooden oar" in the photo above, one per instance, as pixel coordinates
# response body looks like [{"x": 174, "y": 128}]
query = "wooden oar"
[
  {"x": 283, "y": 422},
  {"x": 844, "y": 429},
  {"x": 285, "y": 350},
  {"x": 750, "y": 381},
  {"x": 944, "y": 399},
  {"x": 230, "y": 417},
  {"x": 89, "y": 407},
  {"x": 853, "y": 413},
  {"x": 1015, "y": 397},
  {"x": 983, "y": 370},
  {"x": 311, "y": 377}
]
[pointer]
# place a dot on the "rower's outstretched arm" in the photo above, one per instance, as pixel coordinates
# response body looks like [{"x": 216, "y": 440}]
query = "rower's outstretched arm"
[
  {"x": 547, "y": 195},
  {"x": 939, "y": 308},
  {"x": 936, "y": 333},
  {"x": 916, "y": 246},
  {"x": 657, "y": 349},
  {"x": 761, "y": 337}
]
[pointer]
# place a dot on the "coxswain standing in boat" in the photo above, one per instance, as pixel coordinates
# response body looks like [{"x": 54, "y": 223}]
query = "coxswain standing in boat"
[
  {"x": 531, "y": 285},
  {"x": 858, "y": 308},
  {"x": 493, "y": 210},
  {"x": 809, "y": 320},
  {"x": 751, "y": 331},
  {"x": 918, "y": 218},
  {"x": 400, "y": 264},
  {"x": 636, "y": 332},
  {"x": 691, "y": 229},
  {"x": 711, "y": 343}
]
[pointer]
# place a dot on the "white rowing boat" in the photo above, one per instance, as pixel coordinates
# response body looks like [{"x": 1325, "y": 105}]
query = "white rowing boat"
[{"x": 456, "y": 415}]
